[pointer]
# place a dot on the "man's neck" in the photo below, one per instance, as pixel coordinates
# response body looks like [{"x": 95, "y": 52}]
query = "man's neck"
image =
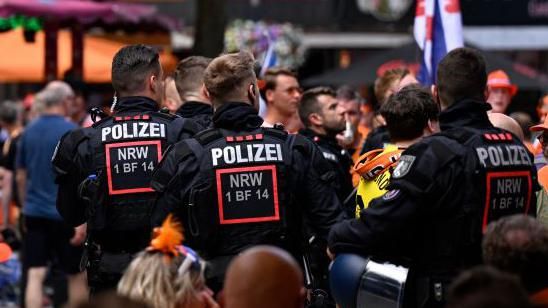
[
  {"x": 55, "y": 110},
  {"x": 407, "y": 143},
  {"x": 195, "y": 98},
  {"x": 318, "y": 130},
  {"x": 273, "y": 116}
]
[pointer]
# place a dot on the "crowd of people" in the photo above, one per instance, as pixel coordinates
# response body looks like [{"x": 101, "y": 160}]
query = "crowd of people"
[{"x": 216, "y": 187}]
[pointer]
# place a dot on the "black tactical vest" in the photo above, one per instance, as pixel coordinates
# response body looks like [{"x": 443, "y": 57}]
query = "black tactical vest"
[
  {"x": 242, "y": 195},
  {"x": 126, "y": 149},
  {"x": 499, "y": 180}
]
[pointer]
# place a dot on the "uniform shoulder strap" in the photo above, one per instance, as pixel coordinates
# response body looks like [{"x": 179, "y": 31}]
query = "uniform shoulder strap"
[
  {"x": 206, "y": 136},
  {"x": 103, "y": 120},
  {"x": 276, "y": 133}
]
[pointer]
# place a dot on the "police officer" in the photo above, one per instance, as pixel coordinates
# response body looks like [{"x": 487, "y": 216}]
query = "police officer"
[
  {"x": 445, "y": 189},
  {"x": 323, "y": 118},
  {"x": 189, "y": 80},
  {"x": 239, "y": 184},
  {"x": 104, "y": 171}
]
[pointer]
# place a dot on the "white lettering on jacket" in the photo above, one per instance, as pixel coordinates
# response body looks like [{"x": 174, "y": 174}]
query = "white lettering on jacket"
[
  {"x": 503, "y": 155},
  {"x": 247, "y": 153},
  {"x": 134, "y": 130}
]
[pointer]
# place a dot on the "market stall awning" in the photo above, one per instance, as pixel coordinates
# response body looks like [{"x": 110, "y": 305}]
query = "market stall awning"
[
  {"x": 90, "y": 13},
  {"x": 24, "y": 62}
]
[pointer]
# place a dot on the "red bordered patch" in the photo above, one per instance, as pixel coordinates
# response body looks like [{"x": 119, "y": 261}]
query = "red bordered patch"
[
  {"x": 507, "y": 193},
  {"x": 247, "y": 194},
  {"x": 130, "y": 165}
]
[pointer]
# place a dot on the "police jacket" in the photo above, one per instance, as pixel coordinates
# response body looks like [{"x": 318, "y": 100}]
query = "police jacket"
[
  {"x": 201, "y": 113},
  {"x": 104, "y": 171},
  {"x": 376, "y": 139},
  {"x": 239, "y": 184},
  {"x": 340, "y": 162},
  {"x": 443, "y": 192}
]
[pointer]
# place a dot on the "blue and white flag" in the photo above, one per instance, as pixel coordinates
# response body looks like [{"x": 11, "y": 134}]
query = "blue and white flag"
[
  {"x": 437, "y": 30},
  {"x": 269, "y": 61}
]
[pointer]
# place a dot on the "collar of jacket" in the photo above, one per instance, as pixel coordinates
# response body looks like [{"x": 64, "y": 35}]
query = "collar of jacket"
[
  {"x": 237, "y": 116},
  {"x": 193, "y": 108},
  {"x": 320, "y": 139},
  {"x": 135, "y": 103},
  {"x": 468, "y": 113}
]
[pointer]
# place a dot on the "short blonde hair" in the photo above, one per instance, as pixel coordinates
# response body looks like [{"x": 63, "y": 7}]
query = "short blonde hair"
[
  {"x": 228, "y": 76},
  {"x": 163, "y": 281}
]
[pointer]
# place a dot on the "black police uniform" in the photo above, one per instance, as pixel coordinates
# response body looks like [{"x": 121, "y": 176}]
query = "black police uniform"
[
  {"x": 340, "y": 162},
  {"x": 376, "y": 139},
  {"x": 239, "y": 184},
  {"x": 104, "y": 175},
  {"x": 443, "y": 193},
  {"x": 201, "y": 113}
]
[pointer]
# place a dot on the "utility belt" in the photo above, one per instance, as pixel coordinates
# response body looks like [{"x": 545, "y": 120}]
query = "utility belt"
[{"x": 104, "y": 268}]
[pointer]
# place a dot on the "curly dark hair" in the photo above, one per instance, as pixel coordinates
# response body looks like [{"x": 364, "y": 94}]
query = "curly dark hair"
[{"x": 519, "y": 244}]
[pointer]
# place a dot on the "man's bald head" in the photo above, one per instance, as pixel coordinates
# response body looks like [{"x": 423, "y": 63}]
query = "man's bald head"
[
  {"x": 503, "y": 121},
  {"x": 263, "y": 276}
]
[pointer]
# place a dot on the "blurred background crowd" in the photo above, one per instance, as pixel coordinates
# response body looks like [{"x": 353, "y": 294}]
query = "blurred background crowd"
[{"x": 56, "y": 59}]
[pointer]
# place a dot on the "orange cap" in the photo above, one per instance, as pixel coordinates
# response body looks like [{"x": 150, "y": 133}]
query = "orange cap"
[
  {"x": 543, "y": 126},
  {"x": 499, "y": 79},
  {"x": 5, "y": 252}
]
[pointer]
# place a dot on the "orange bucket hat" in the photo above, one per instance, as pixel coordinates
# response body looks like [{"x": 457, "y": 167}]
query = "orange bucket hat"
[
  {"x": 540, "y": 127},
  {"x": 499, "y": 79},
  {"x": 5, "y": 252}
]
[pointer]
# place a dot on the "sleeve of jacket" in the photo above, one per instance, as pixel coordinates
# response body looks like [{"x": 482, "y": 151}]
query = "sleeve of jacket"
[
  {"x": 388, "y": 225},
  {"x": 321, "y": 204},
  {"x": 383, "y": 228},
  {"x": 69, "y": 169},
  {"x": 172, "y": 179}
]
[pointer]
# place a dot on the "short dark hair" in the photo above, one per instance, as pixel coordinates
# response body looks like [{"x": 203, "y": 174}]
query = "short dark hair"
[
  {"x": 348, "y": 93},
  {"x": 226, "y": 76},
  {"x": 189, "y": 74},
  {"x": 309, "y": 102},
  {"x": 519, "y": 244},
  {"x": 270, "y": 78},
  {"x": 407, "y": 112},
  {"x": 131, "y": 66},
  {"x": 461, "y": 75},
  {"x": 9, "y": 112},
  {"x": 484, "y": 286}
]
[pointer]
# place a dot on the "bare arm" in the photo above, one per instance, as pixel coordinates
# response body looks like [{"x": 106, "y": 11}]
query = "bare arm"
[{"x": 6, "y": 194}]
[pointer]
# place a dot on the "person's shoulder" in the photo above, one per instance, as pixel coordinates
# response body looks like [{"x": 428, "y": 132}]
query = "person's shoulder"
[
  {"x": 74, "y": 137},
  {"x": 179, "y": 123},
  {"x": 67, "y": 148},
  {"x": 427, "y": 157}
]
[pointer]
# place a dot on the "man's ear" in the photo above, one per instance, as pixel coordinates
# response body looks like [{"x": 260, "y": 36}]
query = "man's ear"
[
  {"x": 205, "y": 92},
  {"x": 434, "y": 90},
  {"x": 269, "y": 95},
  {"x": 152, "y": 80},
  {"x": 432, "y": 127},
  {"x": 315, "y": 119},
  {"x": 251, "y": 93},
  {"x": 486, "y": 93}
]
